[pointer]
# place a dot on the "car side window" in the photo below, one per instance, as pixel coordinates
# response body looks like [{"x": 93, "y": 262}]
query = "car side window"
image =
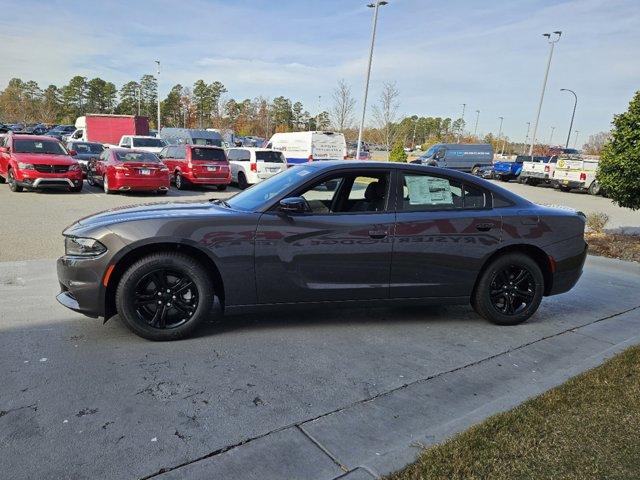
[
  {"x": 475, "y": 197},
  {"x": 181, "y": 152},
  {"x": 244, "y": 155},
  {"x": 427, "y": 192}
]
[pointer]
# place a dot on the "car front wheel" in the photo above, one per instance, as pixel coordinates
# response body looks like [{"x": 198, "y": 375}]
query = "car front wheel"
[
  {"x": 510, "y": 289},
  {"x": 165, "y": 296},
  {"x": 13, "y": 183},
  {"x": 242, "y": 181}
]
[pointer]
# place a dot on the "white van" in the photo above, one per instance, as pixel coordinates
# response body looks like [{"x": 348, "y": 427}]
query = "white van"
[
  {"x": 301, "y": 147},
  {"x": 252, "y": 165}
]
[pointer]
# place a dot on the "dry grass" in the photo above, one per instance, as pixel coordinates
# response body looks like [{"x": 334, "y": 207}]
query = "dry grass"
[
  {"x": 588, "y": 428},
  {"x": 614, "y": 245}
]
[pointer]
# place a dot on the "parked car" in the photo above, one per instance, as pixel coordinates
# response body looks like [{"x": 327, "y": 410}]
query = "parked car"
[
  {"x": 197, "y": 165},
  {"x": 108, "y": 129},
  {"x": 253, "y": 165},
  {"x": 302, "y": 147},
  {"x": 191, "y": 136},
  {"x": 60, "y": 131},
  {"x": 388, "y": 233},
  {"x": 35, "y": 162},
  {"x": 466, "y": 157},
  {"x": 144, "y": 143},
  {"x": 577, "y": 173},
  {"x": 536, "y": 170},
  {"x": 506, "y": 171},
  {"x": 84, "y": 152},
  {"x": 123, "y": 170},
  {"x": 352, "y": 150}
]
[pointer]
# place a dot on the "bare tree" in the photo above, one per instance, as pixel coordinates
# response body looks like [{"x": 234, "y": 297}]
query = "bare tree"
[
  {"x": 385, "y": 114},
  {"x": 343, "y": 106},
  {"x": 596, "y": 142}
]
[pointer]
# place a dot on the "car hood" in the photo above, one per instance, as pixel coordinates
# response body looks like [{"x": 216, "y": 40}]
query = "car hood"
[
  {"x": 153, "y": 211},
  {"x": 39, "y": 159}
]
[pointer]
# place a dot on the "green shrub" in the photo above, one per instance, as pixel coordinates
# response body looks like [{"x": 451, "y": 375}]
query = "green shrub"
[
  {"x": 619, "y": 171},
  {"x": 397, "y": 153}
]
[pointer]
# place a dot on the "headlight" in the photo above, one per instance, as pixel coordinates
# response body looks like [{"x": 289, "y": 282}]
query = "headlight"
[
  {"x": 83, "y": 247},
  {"x": 75, "y": 167},
  {"x": 25, "y": 166}
]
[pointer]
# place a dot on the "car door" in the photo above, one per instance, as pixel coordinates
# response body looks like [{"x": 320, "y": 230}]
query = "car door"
[
  {"x": 4, "y": 156},
  {"x": 340, "y": 249},
  {"x": 99, "y": 167},
  {"x": 444, "y": 231}
]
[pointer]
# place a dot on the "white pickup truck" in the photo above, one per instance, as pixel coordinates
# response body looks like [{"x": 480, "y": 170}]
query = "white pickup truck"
[
  {"x": 537, "y": 170},
  {"x": 577, "y": 173}
]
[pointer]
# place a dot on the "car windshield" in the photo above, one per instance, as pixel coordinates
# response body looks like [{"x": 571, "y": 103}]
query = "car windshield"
[
  {"x": 148, "y": 142},
  {"x": 251, "y": 199},
  {"x": 136, "y": 157},
  {"x": 208, "y": 154},
  {"x": 207, "y": 141},
  {"x": 270, "y": 157},
  {"x": 38, "y": 146},
  {"x": 84, "y": 148},
  {"x": 429, "y": 152}
]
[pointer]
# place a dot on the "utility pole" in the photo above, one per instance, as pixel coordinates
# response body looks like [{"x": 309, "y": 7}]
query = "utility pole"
[
  {"x": 551, "y": 137},
  {"x": 526, "y": 138},
  {"x": 475, "y": 129},
  {"x": 464, "y": 105},
  {"x": 552, "y": 42},
  {"x": 158, "y": 94},
  {"x": 413, "y": 141},
  {"x": 575, "y": 104},
  {"x": 375, "y": 6},
  {"x": 139, "y": 98},
  {"x": 575, "y": 140}
]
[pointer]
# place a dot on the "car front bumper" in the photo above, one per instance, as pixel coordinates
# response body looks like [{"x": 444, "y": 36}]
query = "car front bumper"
[{"x": 81, "y": 288}]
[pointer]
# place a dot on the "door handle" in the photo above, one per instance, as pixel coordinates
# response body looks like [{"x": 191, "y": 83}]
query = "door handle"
[
  {"x": 485, "y": 227},
  {"x": 378, "y": 233}
]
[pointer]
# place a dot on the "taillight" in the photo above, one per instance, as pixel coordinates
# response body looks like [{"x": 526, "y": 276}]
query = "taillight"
[
  {"x": 546, "y": 168},
  {"x": 121, "y": 169},
  {"x": 310, "y": 159},
  {"x": 254, "y": 167},
  {"x": 583, "y": 176}
]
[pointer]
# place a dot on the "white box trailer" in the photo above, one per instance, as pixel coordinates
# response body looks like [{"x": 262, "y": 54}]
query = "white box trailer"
[{"x": 302, "y": 147}]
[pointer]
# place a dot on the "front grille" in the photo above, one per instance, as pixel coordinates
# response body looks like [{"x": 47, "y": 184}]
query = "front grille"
[{"x": 51, "y": 168}]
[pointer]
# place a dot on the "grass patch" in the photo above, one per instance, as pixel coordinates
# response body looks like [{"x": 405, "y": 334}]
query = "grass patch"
[
  {"x": 588, "y": 428},
  {"x": 614, "y": 245}
]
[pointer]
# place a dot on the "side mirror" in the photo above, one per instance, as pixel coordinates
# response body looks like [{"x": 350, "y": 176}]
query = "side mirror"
[
  {"x": 293, "y": 205},
  {"x": 73, "y": 153}
]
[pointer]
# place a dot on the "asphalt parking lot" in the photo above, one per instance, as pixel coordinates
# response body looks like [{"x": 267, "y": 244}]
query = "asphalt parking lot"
[{"x": 313, "y": 395}]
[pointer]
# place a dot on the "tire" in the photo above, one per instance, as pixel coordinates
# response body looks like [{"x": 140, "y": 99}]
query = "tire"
[
  {"x": 594, "y": 188},
  {"x": 503, "y": 269},
  {"x": 523, "y": 180},
  {"x": 221, "y": 188},
  {"x": 13, "y": 184},
  {"x": 181, "y": 183},
  {"x": 504, "y": 178},
  {"x": 105, "y": 185},
  {"x": 146, "y": 321},
  {"x": 161, "y": 192},
  {"x": 77, "y": 188},
  {"x": 242, "y": 181},
  {"x": 90, "y": 180},
  {"x": 534, "y": 182},
  {"x": 474, "y": 170},
  {"x": 564, "y": 189},
  {"x": 2, "y": 180}
]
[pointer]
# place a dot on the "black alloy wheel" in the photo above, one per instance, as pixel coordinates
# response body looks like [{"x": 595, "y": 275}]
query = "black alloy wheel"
[{"x": 512, "y": 290}]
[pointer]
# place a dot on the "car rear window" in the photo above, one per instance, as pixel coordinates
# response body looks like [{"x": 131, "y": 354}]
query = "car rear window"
[
  {"x": 148, "y": 142},
  {"x": 270, "y": 157},
  {"x": 207, "y": 141},
  {"x": 87, "y": 147},
  {"x": 208, "y": 154},
  {"x": 38, "y": 146},
  {"x": 136, "y": 157}
]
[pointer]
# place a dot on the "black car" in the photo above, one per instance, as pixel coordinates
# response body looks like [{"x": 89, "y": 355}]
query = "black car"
[
  {"x": 60, "y": 131},
  {"x": 323, "y": 234},
  {"x": 84, "y": 152}
]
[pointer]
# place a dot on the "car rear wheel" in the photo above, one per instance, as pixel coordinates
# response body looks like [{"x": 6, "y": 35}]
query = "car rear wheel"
[
  {"x": 181, "y": 183},
  {"x": 90, "y": 180},
  {"x": 105, "y": 184},
  {"x": 594, "y": 188},
  {"x": 13, "y": 183},
  {"x": 242, "y": 181},
  {"x": 165, "y": 296},
  {"x": 475, "y": 170},
  {"x": 510, "y": 289},
  {"x": 2, "y": 180}
]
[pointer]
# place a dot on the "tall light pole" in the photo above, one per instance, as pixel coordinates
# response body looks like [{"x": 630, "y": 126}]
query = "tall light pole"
[
  {"x": 139, "y": 91},
  {"x": 526, "y": 137},
  {"x": 464, "y": 105},
  {"x": 500, "y": 130},
  {"x": 551, "y": 136},
  {"x": 552, "y": 41},
  {"x": 575, "y": 104},
  {"x": 575, "y": 140},
  {"x": 366, "y": 83},
  {"x": 158, "y": 94},
  {"x": 475, "y": 129}
]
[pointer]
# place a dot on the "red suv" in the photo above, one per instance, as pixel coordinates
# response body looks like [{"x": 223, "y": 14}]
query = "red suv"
[
  {"x": 197, "y": 164},
  {"x": 123, "y": 169},
  {"x": 37, "y": 162}
]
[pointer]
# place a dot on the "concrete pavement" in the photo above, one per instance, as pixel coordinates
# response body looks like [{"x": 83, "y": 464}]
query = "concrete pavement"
[{"x": 313, "y": 395}]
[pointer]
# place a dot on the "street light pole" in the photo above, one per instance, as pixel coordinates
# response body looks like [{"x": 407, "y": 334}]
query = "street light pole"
[
  {"x": 552, "y": 42},
  {"x": 366, "y": 84},
  {"x": 575, "y": 104},
  {"x": 475, "y": 129},
  {"x": 158, "y": 94},
  {"x": 526, "y": 138},
  {"x": 575, "y": 140},
  {"x": 139, "y": 98},
  {"x": 551, "y": 137},
  {"x": 464, "y": 105}
]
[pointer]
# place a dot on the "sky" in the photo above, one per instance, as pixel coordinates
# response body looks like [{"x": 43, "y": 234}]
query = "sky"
[{"x": 489, "y": 55}]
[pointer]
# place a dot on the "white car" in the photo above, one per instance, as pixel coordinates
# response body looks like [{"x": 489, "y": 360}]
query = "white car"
[
  {"x": 144, "y": 143},
  {"x": 252, "y": 165}
]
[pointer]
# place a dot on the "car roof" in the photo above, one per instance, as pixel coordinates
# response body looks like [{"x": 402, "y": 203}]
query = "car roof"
[{"x": 26, "y": 136}]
